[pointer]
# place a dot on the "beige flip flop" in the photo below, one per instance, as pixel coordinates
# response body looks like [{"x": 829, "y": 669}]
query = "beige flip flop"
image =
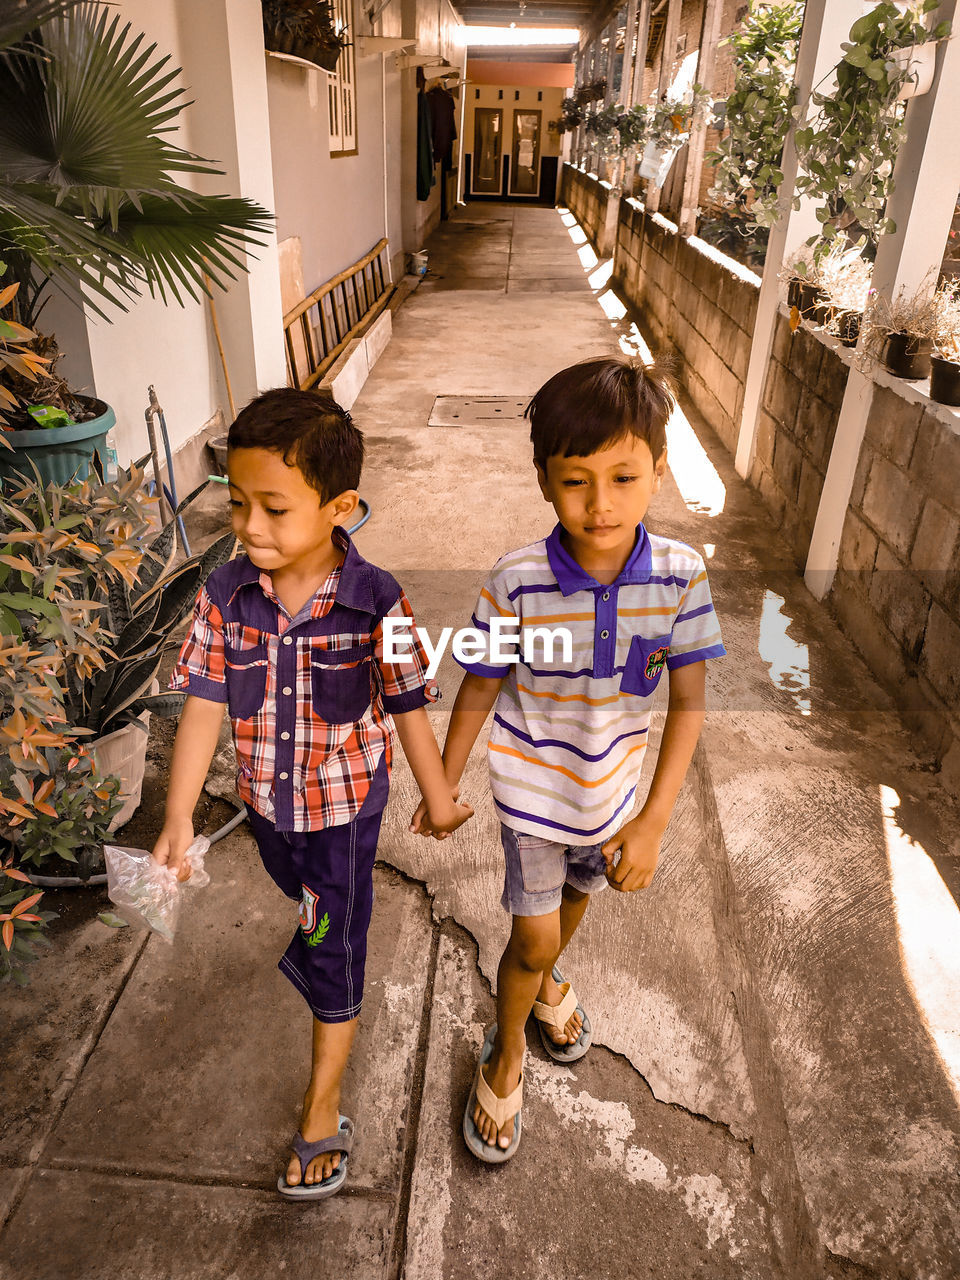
[
  {"x": 557, "y": 1016},
  {"x": 500, "y": 1110}
]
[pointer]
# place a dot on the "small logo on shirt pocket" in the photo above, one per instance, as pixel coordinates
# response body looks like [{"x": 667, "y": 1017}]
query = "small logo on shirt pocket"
[{"x": 645, "y": 663}]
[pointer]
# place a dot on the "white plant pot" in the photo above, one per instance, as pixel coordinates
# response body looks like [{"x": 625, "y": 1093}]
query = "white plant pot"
[
  {"x": 920, "y": 62},
  {"x": 124, "y": 753},
  {"x": 655, "y": 163}
]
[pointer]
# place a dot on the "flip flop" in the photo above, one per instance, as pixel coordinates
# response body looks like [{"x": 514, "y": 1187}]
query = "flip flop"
[
  {"x": 557, "y": 1016},
  {"x": 306, "y": 1151},
  {"x": 498, "y": 1109}
]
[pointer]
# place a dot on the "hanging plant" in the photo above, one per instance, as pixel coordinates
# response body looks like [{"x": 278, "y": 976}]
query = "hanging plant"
[
  {"x": 849, "y": 149},
  {"x": 602, "y": 127},
  {"x": 304, "y": 29},
  {"x": 571, "y": 116},
  {"x": 592, "y": 92},
  {"x": 748, "y": 174}
]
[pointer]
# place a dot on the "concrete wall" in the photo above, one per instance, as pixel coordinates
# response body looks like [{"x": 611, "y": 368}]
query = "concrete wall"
[
  {"x": 587, "y": 198},
  {"x": 897, "y": 592}
]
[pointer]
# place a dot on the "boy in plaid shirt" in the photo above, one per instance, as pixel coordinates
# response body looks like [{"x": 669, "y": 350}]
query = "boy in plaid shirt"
[{"x": 290, "y": 637}]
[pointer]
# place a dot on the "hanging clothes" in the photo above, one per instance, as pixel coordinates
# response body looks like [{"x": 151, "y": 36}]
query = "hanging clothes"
[
  {"x": 426, "y": 178},
  {"x": 443, "y": 120}
]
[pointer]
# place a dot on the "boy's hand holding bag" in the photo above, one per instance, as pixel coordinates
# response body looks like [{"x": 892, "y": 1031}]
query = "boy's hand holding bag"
[{"x": 146, "y": 893}]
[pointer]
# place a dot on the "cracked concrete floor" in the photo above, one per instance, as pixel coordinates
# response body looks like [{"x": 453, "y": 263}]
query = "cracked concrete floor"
[{"x": 768, "y": 1095}]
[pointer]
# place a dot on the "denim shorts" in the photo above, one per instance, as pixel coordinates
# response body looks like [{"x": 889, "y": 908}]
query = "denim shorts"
[{"x": 537, "y": 869}]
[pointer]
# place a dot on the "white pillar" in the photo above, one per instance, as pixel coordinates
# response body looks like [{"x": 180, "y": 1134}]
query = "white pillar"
[
  {"x": 927, "y": 178},
  {"x": 819, "y": 51},
  {"x": 225, "y": 63},
  {"x": 706, "y": 70},
  {"x": 652, "y": 200}
]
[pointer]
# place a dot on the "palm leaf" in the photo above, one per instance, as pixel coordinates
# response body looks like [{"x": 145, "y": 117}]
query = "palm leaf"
[{"x": 19, "y": 20}]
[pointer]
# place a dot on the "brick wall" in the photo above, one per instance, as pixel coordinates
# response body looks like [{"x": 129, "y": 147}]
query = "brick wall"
[
  {"x": 692, "y": 303},
  {"x": 798, "y": 419},
  {"x": 586, "y": 197},
  {"x": 897, "y": 593}
]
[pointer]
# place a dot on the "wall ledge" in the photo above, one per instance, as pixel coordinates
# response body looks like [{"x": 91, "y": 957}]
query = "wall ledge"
[{"x": 912, "y": 392}]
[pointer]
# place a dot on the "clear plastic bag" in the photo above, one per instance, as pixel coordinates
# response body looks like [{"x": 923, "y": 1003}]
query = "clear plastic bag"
[{"x": 147, "y": 894}]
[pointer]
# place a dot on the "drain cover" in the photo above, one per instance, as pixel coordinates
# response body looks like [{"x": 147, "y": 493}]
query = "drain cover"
[{"x": 477, "y": 411}]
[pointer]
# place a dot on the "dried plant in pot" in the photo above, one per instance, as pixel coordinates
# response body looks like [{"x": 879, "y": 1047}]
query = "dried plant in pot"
[
  {"x": 846, "y": 277},
  {"x": 900, "y": 332},
  {"x": 945, "y": 362},
  {"x": 802, "y": 277},
  {"x": 304, "y": 29}
]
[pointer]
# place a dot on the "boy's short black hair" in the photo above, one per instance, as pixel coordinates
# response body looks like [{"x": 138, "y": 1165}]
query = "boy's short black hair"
[
  {"x": 588, "y": 406},
  {"x": 310, "y": 431}
]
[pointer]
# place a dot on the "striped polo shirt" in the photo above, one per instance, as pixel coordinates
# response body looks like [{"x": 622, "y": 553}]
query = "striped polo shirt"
[{"x": 569, "y": 737}]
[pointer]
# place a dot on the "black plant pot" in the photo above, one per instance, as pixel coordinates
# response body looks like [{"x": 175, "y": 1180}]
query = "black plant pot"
[
  {"x": 944, "y": 380},
  {"x": 811, "y": 296},
  {"x": 793, "y": 293},
  {"x": 323, "y": 55},
  {"x": 908, "y": 356},
  {"x": 848, "y": 327},
  {"x": 822, "y": 313}
]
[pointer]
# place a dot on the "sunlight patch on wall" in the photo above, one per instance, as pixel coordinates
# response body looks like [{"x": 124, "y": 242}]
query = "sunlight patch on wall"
[{"x": 697, "y": 478}]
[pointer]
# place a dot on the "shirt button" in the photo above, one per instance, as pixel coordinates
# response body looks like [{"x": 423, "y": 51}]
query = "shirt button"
[
  {"x": 283, "y": 777},
  {"x": 284, "y": 735},
  {"x": 606, "y": 595},
  {"x": 289, "y": 639},
  {"x": 604, "y": 635},
  {"x": 433, "y": 691},
  {"x": 287, "y": 690}
]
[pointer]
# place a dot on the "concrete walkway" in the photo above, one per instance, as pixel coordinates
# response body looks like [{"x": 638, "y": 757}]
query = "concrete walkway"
[{"x": 774, "y": 1087}]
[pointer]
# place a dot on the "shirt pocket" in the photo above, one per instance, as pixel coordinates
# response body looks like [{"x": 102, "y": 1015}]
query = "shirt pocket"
[
  {"x": 246, "y": 657},
  {"x": 645, "y": 663},
  {"x": 340, "y": 682}
]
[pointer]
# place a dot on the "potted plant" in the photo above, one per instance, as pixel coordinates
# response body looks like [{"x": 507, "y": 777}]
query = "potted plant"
[
  {"x": 845, "y": 277},
  {"x": 747, "y": 159},
  {"x": 84, "y": 583},
  {"x": 668, "y": 128},
  {"x": 304, "y": 29},
  {"x": 593, "y": 92},
  {"x": 849, "y": 149},
  {"x": 802, "y": 277},
  {"x": 900, "y": 332},
  {"x": 945, "y": 361},
  {"x": 85, "y": 178}
]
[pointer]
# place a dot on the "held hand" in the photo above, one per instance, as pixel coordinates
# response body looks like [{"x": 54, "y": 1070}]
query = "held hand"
[
  {"x": 172, "y": 843},
  {"x": 638, "y": 844},
  {"x": 424, "y": 823}
]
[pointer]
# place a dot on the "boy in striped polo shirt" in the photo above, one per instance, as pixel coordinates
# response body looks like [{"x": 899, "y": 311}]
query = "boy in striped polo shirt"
[{"x": 569, "y": 732}]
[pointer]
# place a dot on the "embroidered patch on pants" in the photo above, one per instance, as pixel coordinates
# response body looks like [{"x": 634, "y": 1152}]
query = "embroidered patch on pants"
[{"x": 314, "y": 931}]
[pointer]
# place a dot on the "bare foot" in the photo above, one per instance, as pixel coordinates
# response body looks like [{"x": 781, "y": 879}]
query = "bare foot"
[
  {"x": 502, "y": 1074},
  {"x": 550, "y": 994},
  {"x": 320, "y": 1119}
]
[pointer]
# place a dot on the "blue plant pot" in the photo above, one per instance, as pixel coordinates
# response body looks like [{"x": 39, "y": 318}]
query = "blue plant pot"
[{"x": 60, "y": 453}]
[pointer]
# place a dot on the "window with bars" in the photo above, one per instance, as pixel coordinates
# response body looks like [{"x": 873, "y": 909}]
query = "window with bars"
[{"x": 341, "y": 87}]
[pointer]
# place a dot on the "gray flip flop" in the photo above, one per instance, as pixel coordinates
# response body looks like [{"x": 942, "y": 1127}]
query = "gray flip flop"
[
  {"x": 472, "y": 1136},
  {"x": 341, "y": 1141},
  {"x": 567, "y": 1052}
]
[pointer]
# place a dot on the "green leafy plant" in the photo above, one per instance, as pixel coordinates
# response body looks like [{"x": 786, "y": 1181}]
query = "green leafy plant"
[
  {"x": 849, "y": 149},
  {"x": 748, "y": 174},
  {"x": 78, "y": 566},
  {"x": 88, "y": 196},
  {"x": 17, "y": 356},
  {"x": 592, "y": 92},
  {"x": 304, "y": 28},
  {"x": 72, "y": 821},
  {"x": 21, "y": 925},
  {"x": 571, "y": 116}
]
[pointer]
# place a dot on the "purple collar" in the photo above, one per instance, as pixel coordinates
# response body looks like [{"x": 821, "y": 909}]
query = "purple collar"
[
  {"x": 354, "y": 586},
  {"x": 571, "y": 577}
]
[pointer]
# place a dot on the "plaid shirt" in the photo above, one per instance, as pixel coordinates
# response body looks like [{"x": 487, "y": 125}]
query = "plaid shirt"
[{"x": 310, "y": 697}]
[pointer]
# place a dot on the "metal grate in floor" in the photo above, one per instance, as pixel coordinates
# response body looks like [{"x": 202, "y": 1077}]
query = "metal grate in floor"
[{"x": 477, "y": 411}]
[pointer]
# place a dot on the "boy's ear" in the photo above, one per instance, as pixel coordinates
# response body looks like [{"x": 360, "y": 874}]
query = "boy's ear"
[
  {"x": 659, "y": 470},
  {"x": 344, "y": 506},
  {"x": 542, "y": 481}
]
